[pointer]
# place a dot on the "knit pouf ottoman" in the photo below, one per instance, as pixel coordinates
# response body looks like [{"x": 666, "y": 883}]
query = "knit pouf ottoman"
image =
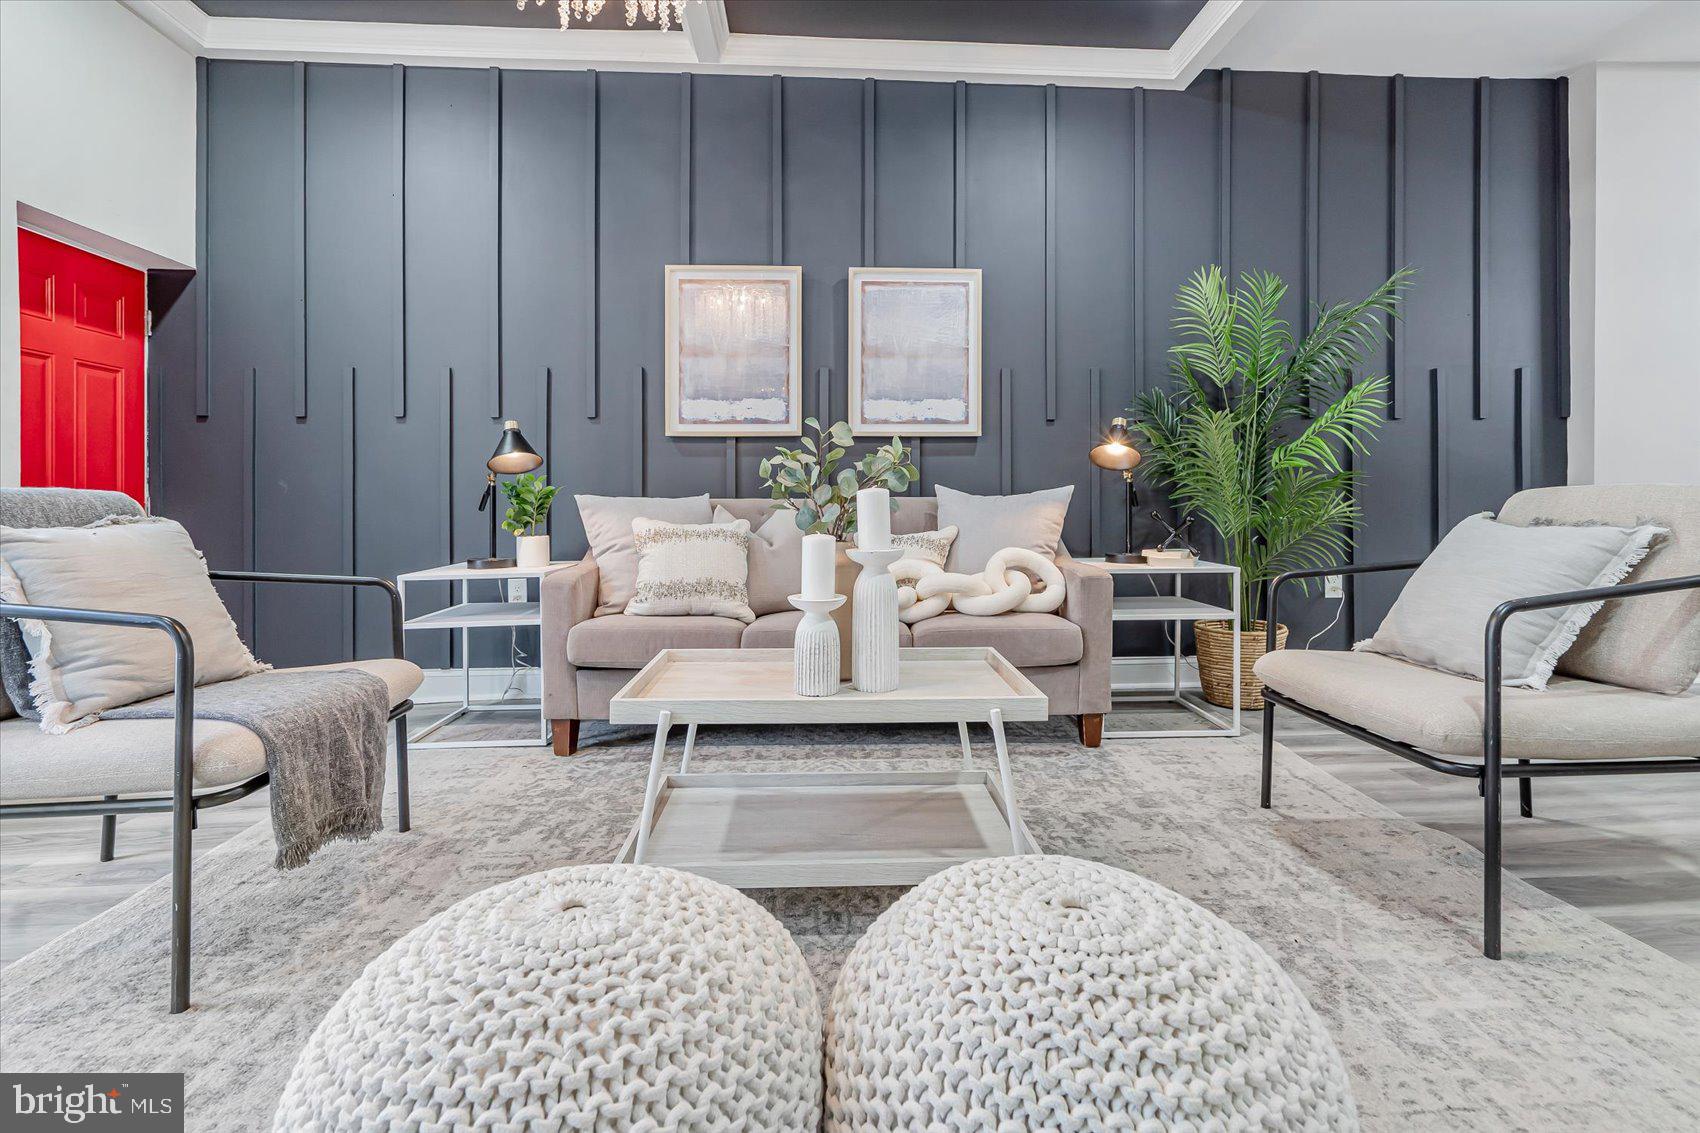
[
  {"x": 605, "y": 997},
  {"x": 1030, "y": 993}
]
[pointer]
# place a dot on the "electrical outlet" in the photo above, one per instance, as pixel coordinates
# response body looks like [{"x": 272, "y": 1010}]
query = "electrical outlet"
[
  {"x": 1333, "y": 586},
  {"x": 516, "y": 590}
]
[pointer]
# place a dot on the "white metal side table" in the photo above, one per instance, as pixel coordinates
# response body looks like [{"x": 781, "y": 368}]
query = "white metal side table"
[
  {"x": 1173, "y": 610},
  {"x": 465, "y": 615}
]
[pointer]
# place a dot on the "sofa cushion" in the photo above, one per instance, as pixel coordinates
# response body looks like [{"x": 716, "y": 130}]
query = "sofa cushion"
[
  {"x": 131, "y": 563},
  {"x": 1651, "y": 642},
  {"x": 136, "y": 757},
  {"x": 775, "y": 558},
  {"x": 1440, "y": 614},
  {"x": 608, "y": 530},
  {"x": 1025, "y": 640},
  {"x": 988, "y": 524},
  {"x": 628, "y": 641},
  {"x": 777, "y": 631},
  {"x": 1442, "y": 713}
]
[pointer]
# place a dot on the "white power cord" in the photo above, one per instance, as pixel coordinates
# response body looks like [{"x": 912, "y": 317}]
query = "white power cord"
[{"x": 1339, "y": 607}]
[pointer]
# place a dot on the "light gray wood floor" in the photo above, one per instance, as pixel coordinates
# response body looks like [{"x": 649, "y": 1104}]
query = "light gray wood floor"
[{"x": 1625, "y": 849}]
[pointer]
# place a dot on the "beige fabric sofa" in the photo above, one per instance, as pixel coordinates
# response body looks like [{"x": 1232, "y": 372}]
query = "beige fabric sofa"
[{"x": 587, "y": 659}]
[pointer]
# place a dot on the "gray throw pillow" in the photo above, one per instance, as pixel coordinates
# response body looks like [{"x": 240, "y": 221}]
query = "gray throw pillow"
[
  {"x": 987, "y": 524},
  {"x": 1648, "y": 642},
  {"x": 608, "y": 530},
  {"x": 776, "y": 560},
  {"x": 1441, "y": 616},
  {"x": 146, "y": 566}
]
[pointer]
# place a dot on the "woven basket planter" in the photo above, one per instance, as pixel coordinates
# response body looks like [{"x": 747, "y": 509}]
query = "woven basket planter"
[{"x": 1216, "y": 661}]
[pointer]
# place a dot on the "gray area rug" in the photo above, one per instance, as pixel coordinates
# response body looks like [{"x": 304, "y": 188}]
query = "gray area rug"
[{"x": 1376, "y": 918}]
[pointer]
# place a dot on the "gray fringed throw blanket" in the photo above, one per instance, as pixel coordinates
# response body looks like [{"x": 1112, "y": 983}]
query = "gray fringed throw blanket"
[{"x": 323, "y": 733}]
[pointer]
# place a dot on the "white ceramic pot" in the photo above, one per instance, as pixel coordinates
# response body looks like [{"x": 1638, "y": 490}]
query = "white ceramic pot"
[{"x": 533, "y": 551}]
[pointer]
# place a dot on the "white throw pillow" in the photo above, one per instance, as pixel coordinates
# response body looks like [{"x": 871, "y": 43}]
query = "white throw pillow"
[
  {"x": 932, "y": 546},
  {"x": 692, "y": 568},
  {"x": 144, "y": 566},
  {"x": 1441, "y": 616}
]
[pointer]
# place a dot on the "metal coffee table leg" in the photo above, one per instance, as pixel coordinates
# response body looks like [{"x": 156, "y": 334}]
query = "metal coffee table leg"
[
  {"x": 663, "y": 724},
  {"x": 1018, "y": 844},
  {"x": 691, "y": 747}
]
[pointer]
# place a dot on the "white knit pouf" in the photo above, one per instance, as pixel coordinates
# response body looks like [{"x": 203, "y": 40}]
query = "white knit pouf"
[
  {"x": 1030, "y": 993},
  {"x": 606, "y": 997}
]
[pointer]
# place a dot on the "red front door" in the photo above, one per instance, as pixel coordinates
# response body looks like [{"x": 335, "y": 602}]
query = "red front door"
[{"x": 82, "y": 405}]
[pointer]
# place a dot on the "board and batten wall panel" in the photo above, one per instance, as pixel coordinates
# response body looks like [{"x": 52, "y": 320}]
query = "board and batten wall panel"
[{"x": 397, "y": 258}]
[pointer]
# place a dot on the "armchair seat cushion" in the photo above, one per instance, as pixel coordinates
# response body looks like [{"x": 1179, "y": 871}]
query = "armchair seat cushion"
[
  {"x": 631, "y": 641},
  {"x": 135, "y": 757},
  {"x": 1025, "y": 640},
  {"x": 1442, "y": 714}
]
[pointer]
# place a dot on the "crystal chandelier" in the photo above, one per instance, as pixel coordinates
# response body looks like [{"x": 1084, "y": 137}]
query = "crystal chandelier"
[{"x": 665, "y": 13}]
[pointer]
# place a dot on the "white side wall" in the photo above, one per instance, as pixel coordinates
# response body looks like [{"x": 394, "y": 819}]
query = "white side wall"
[
  {"x": 97, "y": 140},
  {"x": 1635, "y": 273}
]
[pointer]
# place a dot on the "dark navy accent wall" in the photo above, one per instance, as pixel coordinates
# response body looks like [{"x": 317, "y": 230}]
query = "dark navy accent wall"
[{"x": 395, "y": 258}]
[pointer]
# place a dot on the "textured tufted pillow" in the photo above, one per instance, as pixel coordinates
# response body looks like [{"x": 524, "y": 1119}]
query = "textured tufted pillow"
[{"x": 692, "y": 568}]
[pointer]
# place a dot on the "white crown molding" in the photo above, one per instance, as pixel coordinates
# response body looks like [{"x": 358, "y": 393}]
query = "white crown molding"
[
  {"x": 706, "y": 27},
  {"x": 705, "y": 46}
]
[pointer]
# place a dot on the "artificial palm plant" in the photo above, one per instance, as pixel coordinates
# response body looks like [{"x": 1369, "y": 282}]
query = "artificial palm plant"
[{"x": 1252, "y": 433}]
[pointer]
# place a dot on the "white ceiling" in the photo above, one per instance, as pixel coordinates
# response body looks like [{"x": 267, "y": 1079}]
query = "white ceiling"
[
  {"x": 1467, "y": 38},
  {"x": 1497, "y": 38}
]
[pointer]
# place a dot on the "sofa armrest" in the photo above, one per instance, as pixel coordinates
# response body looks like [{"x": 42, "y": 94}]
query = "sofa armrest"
[
  {"x": 1090, "y": 603},
  {"x": 568, "y": 597}
]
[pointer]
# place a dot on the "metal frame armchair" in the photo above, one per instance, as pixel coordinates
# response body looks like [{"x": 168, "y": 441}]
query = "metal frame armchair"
[
  {"x": 183, "y": 803},
  {"x": 1492, "y": 770}
]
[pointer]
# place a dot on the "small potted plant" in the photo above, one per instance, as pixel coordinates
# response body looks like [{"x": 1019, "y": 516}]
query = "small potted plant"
[
  {"x": 528, "y": 507},
  {"x": 1250, "y": 437}
]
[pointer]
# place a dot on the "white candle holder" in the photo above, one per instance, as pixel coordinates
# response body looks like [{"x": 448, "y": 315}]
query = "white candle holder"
[
  {"x": 873, "y": 647},
  {"x": 814, "y": 653}
]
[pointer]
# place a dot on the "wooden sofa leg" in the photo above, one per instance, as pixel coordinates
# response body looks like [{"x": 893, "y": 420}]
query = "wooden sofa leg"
[
  {"x": 1092, "y": 729},
  {"x": 564, "y": 734}
]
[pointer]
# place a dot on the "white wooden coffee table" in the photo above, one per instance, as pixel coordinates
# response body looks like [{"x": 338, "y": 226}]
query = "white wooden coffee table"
[{"x": 789, "y": 829}]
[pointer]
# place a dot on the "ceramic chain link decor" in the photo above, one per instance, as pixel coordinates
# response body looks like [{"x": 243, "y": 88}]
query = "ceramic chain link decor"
[
  {"x": 1054, "y": 993},
  {"x": 607, "y": 997}
]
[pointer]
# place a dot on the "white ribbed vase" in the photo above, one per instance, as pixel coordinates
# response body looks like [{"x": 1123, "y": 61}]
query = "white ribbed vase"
[
  {"x": 814, "y": 651},
  {"x": 873, "y": 658}
]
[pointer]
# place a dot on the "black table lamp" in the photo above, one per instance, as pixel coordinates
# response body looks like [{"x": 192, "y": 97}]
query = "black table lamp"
[
  {"x": 1118, "y": 455},
  {"x": 511, "y": 458}
]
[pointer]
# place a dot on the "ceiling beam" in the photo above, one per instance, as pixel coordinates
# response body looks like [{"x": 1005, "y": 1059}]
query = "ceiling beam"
[
  {"x": 706, "y": 46},
  {"x": 706, "y": 29}
]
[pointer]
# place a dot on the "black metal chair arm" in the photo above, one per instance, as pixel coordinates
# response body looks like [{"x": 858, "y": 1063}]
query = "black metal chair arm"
[
  {"x": 383, "y": 584},
  {"x": 1270, "y": 601}
]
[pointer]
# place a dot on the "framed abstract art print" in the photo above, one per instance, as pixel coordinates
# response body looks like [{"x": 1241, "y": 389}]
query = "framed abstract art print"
[
  {"x": 734, "y": 351},
  {"x": 915, "y": 352}
]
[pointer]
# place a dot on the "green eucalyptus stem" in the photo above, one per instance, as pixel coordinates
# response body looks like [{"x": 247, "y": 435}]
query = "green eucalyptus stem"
[{"x": 809, "y": 481}]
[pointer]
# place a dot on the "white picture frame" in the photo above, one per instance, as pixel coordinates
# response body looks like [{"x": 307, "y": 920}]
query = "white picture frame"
[
  {"x": 734, "y": 350},
  {"x": 915, "y": 352}
]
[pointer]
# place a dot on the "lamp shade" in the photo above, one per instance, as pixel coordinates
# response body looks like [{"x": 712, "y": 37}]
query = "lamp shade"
[
  {"x": 513, "y": 455},
  {"x": 1117, "y": 452}
]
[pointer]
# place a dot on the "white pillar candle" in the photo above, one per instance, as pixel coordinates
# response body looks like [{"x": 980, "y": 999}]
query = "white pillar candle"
[
  {"x": 873, "y": 519},
  {"x": 819, "y": 552}
]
